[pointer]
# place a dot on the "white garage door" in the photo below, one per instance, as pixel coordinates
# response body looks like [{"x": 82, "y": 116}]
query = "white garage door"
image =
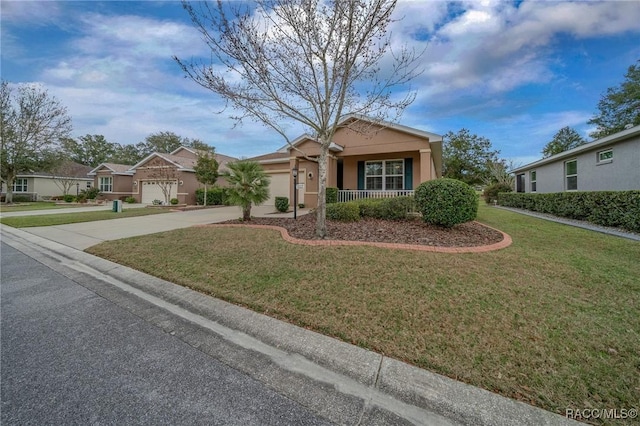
[
  {"x": 151, "y": 190},
  {"x": 278, "y": 187}
]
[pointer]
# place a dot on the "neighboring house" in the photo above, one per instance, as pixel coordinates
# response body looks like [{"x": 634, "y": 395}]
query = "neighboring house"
[
  {"x": 366, "y": 158},
  {"x": 39, "y": 186},
  {"x": 608, "y": 164},
  {"x": 115, "y": 181},
  {"x": 154, "y": 175}
]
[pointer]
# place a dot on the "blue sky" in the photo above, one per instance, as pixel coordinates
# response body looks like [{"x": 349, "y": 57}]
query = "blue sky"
[{"x": 514, "y": 72}]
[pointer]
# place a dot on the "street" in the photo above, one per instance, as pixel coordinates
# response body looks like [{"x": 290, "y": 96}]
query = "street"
[{"x": 70, "y": 356}]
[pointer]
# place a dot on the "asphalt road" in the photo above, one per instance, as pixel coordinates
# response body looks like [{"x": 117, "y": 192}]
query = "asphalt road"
[{"x": 70, "y": 356}]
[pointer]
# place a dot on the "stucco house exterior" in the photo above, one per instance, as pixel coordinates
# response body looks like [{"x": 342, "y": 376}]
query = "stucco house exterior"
[
  {"x": 38, "y": 186},
  {"x": 113, "y": 180},
  {"x": 366, "y": 157},
  {"x": 611, "y": 163},
  {"x": 147, "y": 180}
]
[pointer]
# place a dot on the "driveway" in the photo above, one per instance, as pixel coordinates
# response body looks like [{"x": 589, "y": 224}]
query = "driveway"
[{"x": 83, "y": 235}]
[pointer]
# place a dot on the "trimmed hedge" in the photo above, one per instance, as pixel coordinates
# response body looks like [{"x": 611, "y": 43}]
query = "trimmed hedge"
[
  {"x": 215, "y": 196},
  {"x": 446, "y": 202},
  {"x": 606, "y": 208},
  {"x": 343, "y": 212},
  {"x": 396, "y": 208},
  {"x": 282, "y": 204},
  {"x": 331, "y": 195}
]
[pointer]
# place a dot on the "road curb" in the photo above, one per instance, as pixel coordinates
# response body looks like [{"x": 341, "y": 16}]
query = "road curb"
[{"x": 408, "y": 385}]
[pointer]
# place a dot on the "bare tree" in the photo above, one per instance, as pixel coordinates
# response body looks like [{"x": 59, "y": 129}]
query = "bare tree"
[
  {"x": 30, "y": 122},
  {"x": 307, "y": 61},
  {"x": 66, "y": 174},
  {"x": 164, "y": 175}
]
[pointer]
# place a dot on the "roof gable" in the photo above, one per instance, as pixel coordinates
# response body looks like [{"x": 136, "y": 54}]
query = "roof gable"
[{"x": 114, "y": 168}]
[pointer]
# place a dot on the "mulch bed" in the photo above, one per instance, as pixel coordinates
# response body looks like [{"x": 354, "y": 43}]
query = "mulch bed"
[{"x": 411, "y": 231}]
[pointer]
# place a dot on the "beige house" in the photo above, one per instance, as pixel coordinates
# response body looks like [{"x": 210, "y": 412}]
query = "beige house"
[
  {"x": 366, "y": 159},
  {"x": 40, "y": 186},
  {"x": 158, "y": 176}
]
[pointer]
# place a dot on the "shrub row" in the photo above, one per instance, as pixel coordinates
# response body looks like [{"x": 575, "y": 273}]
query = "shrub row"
[
  {"x": 331, "y": 195},
  {"x": 215, "y": 196},
  {"x": 605, "y": 208},
  {"x": 396, "y": 208},
  {"x": 491, "y": 192}
]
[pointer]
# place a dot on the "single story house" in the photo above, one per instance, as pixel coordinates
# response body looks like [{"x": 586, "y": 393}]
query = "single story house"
[
  {"x": 366, "y": 158},
  {"x": 611, "y": 163},
  {"x": 38, "y": 186},
  {"x": 148, "y": 180}
]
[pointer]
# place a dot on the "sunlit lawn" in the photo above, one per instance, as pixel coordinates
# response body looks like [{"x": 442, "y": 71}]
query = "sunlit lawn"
[{"x": 553, "y": 320}]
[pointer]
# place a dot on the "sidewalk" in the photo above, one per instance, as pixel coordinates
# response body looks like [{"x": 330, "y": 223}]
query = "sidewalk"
[
  {"x": 86, "y": 234},
  {"x": 577, "y": 223}
]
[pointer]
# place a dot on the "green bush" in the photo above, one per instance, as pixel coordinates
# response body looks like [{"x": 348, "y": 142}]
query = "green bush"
[
  {"x": 282, "y": 204},
  {"x": 91, "y": 193},
  {"x": 301, "y": 205},
  {"x": 331, "y": 195},
  {"x": 174, "y": 201},
  {"x": 396, "y": 208},
  {"x": 606, "y": 208},
  {"x": 446, "y": 202},
  {"x": 24, "y": 199},
  {"x": 68, "y": 198},
  {"x": 216, "y": 196},
  {"x": 130, "y": 200},
  {"x": 343, "y": 212},
  {"x": 491, "y": 192}
]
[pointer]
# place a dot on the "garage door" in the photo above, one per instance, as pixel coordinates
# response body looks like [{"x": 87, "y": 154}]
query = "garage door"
[
  {"x": 278, "y": 187},
  {"x": 151, "y": 190}
]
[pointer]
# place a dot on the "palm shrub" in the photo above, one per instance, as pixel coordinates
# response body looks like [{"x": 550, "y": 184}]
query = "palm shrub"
[
  {"x": 446, "y": 202},
  {"x": 248, "y": 184}
]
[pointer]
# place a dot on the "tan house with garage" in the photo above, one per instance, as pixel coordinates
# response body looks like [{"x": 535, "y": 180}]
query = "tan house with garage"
[
  {"x": 158, "y": 176},
  {"x": 367, "y": 158}
]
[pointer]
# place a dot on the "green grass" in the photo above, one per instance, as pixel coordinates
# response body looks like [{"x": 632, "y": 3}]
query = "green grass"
[
  {"x": 37, "y": 205},
  {"x": 552, "y": 320},
  {"x": 66, "y": 218}
]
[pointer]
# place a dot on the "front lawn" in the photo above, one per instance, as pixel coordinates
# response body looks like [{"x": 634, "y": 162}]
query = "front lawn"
[
  {"x": 66, "y": 218},
  {"x": 36, "y": 205},
  {"x": 552, "y": 320}
]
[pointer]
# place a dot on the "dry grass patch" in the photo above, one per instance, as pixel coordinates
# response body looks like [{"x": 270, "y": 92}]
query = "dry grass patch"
[{"x": 552, "y": 320}]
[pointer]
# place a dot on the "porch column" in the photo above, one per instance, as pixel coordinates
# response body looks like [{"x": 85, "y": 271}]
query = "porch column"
[{"x": 425, "y": 165}]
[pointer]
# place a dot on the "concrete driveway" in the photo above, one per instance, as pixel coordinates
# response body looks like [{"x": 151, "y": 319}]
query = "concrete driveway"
[{"x": 86, "y": 234}]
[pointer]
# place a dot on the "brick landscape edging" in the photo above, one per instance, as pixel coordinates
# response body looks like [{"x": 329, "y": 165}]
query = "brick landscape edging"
[{"x": 506, "y": 241}]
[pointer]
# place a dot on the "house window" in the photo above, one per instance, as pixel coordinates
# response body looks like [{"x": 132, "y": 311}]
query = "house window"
[
  {"x": 20, "y": 185},
  {"x": 520, "y": 183},
  {"x": 605, "y": 156},
  {"x": 533, "y": 180},
  {"x": 105, "y": 184},
  {"x": 384, "y": 175},
  {"x": 571, "y": 175}
]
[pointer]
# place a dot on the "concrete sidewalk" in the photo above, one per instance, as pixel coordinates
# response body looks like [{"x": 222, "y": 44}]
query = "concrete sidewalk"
[{"x": 86, "y": 234}]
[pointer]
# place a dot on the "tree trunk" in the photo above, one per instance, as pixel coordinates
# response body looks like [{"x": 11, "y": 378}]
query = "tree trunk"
[
  {"x": 321, "y": 210},
  {"x": 8, "y": 199},
  {"x": 246, "y": 212},
  {"x": 205, "y": 194}
]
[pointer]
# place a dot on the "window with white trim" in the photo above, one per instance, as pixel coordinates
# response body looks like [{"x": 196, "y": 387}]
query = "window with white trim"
[
  {"x": 105, "y": 184},
  {"x": 384, "y": 175},
  {"x": 571, "y": 175},
  {"x": 605, "y": 156},
  {"x": 533, "y": 180},
  {"x": 20, "y": 185}
]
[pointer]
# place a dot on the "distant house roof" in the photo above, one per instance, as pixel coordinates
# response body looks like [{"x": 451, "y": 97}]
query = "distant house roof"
[
  {"x": 116, "y": 169},
  {"x": 607, "y": 140},
  {"x": 69, "y": 169},
  {"x": 273, "y": 157}
]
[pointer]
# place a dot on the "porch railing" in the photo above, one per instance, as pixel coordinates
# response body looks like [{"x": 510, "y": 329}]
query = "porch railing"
[{"x": 345, "y": 195}]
